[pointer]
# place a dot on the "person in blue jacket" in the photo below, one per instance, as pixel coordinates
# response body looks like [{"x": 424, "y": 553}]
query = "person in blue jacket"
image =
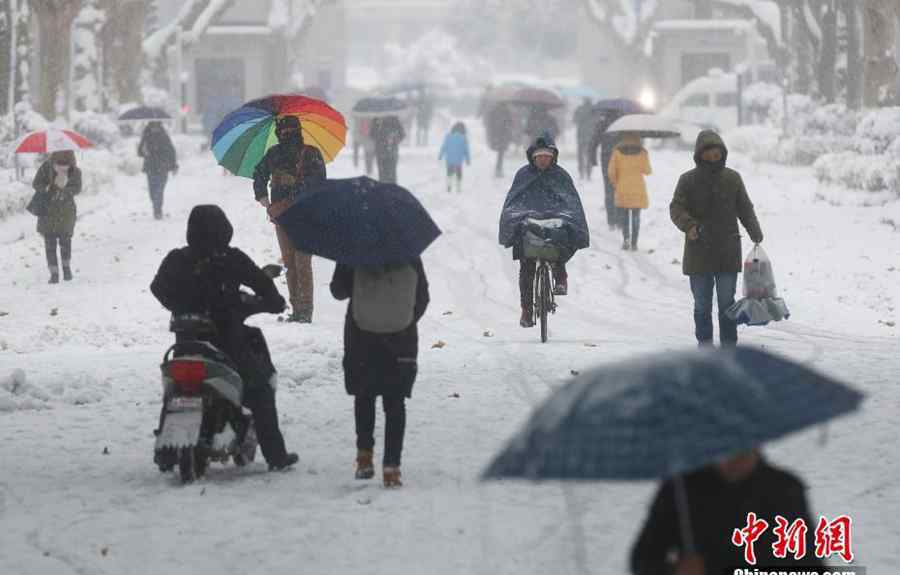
[{"x": 454, "y": 152}]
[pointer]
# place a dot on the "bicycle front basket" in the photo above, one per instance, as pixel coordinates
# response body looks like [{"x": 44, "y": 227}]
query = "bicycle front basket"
[{"x": 535, "y": 247}]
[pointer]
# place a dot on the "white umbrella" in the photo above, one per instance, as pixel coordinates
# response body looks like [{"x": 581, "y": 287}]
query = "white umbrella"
[{"x": 645, "y": 126}]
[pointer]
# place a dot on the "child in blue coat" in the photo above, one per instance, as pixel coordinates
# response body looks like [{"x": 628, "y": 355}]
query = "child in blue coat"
[{"x": 454, "y": 152}]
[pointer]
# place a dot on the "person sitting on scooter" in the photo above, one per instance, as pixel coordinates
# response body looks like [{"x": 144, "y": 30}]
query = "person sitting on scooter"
[{"x": 205, "y": 277}]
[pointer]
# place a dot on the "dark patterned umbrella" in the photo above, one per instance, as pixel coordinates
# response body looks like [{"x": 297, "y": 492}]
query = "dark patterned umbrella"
[
  {"x": 668, "y": 414},
  {"x": 144, "y": 113},
  {"x": 360, "y": 222}
]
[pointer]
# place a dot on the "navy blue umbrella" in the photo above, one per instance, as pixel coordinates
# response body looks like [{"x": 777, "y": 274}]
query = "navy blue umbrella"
[
  {"x": 360, "y": 222},
  {"x": 379, "y": 106},
  {"x": 668, "y": 414},
  {"x": 145, "y": 113},
  {"x": 620, "y": 105}
]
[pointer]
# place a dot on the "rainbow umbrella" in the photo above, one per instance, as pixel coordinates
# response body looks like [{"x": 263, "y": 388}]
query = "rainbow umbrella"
[{"x": 241, "y": 140}]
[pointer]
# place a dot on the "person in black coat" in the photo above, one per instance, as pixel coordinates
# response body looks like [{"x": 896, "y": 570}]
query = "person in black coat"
[
  {"x": 159, "y": 159},
  {"x": 606, "y": 144},
  {"x": 387, "y": 132},
  {"x": 205, "y": 277},
  {"x": 718, "y": 501},
  {"x": 379, "y": 364}
]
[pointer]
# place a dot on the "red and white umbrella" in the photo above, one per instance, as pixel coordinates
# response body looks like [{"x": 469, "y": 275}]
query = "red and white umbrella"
[{"x": 49, "y": 141}]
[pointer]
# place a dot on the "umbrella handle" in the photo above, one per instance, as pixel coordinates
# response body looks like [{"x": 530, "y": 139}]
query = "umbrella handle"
[{"x": 684, "y": 516}]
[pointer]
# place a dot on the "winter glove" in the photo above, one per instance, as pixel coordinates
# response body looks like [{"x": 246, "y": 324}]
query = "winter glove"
[
  {"x": 693, "y": 234},
  {"x": 62, "y": 176}
]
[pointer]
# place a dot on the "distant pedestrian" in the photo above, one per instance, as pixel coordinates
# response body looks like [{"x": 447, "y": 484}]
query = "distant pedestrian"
[
  {"x": 717, "y": 501},
  {"x": 604, "y": 143},
  {"x": 454, "y": 152},
  {"x": 387, "y": 132},
  {"x": 159, "y": 159},
  {"x": 424, "y": 115},
  {"x": 290, "y": 167},
  {"x": 56, "y": 184},
  {"x": 541, "y": 122},
  {"x": 381, "y": 346},
  {"x": 709, "y": 200},
  {"x": 499, "y": 126},
  {"x": 627, "y": 168},
  {"x": 584, "y": 129}
]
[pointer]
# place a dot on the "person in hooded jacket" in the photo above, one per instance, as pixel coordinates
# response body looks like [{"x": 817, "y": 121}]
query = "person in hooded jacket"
[
  {"x": 542, "y": 189},
  {"x": 629, "y": 164},
  {"x": 205, "y": 277},
  {"x": 380, "y": 364},
  {"x": 57, "y": 182},
  {"x": 387, "y": 132},
  {"x": 455, "y": 152},
  {"x": 290, "y": 167},
  {"x": 708, "y": 203},
  {"x": 717, "y": 501},
  {"x": 159, "y": 159},
  {"x": 498, "y": 120}
]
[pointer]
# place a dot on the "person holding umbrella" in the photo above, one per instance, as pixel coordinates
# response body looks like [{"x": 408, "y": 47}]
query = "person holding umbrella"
[
  {"x": 376, "y": 233},
  {"x": 695, "y": 420},
  {"x": 289, "y": 167},
  {"x": 159, "y": 159},
  {"x": 627, "y": 168},
  {"x": 499, "y": 125},
  {"x": 708, "y": 203},
  {"x": 56, "y": 183}
]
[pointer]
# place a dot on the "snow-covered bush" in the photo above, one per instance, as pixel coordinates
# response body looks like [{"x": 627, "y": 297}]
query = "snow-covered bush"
[
  {"x": 101, "y": 129},
  {"x": 874, "y": 173}
]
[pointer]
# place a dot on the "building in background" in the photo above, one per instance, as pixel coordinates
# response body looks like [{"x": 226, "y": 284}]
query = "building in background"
[{"x": 246, "y": 54}]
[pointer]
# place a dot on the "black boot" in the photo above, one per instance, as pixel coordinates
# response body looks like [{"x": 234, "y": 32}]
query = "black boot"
[
  {"x": 54, "y": 275},
  {"x": 289, "y": 460},
  {"x": 67, "y": 272}
]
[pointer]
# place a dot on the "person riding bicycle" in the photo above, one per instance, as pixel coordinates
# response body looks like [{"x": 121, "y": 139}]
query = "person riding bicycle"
[
  {"x": 542, "y": 190},
  {"x": 205, "y": 277}
]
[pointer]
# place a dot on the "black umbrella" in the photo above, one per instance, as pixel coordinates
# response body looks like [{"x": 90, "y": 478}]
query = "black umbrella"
[
  {"x": 144, "y": 113},
  {"x": 360, "y": 222},
  {"x": 375, "y": 106}
]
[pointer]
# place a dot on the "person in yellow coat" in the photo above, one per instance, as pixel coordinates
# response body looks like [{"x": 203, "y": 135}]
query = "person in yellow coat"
[{"x": 627, "y": 168}]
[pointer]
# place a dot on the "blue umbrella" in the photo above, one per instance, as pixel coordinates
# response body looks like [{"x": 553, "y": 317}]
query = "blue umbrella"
[
  {"x": 668, "y": 414},
  {"x": 360, "y": 222},
  {"x": 620, "y": 105}
]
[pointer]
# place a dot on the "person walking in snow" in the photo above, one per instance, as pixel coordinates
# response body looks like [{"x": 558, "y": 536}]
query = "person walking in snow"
[
  {"x": 542, "y": 190},
  {"x": 584, "y": 130},
  {"x": 56, "y": 184},
  {"x": 708, "y": 203},
  {"x": 718, "y": 499},
  {"x": 289, "y": 168},
  {"x": 604, "y": 144},
  {"x": 159, "y": 159},
  {"x": 627, "y": 168},
  {"x": 455, "y": 151},
  {"x": 540, "y": 121},
  {"x": 383, "y": 362},
  {"x": 387, "y": 132},
  {"x": 499, "y": 126}
]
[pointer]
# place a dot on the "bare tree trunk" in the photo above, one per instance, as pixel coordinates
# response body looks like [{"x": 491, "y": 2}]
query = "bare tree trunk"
[
  {"x": 122, "y": 38},
  {"x": 880, "y": 32},
  {"x": 827, "y": 62},
  {"x": 7, "y": 66},
  {"x": 854, "y": 55},
  {"x": 55, "y": 19}
]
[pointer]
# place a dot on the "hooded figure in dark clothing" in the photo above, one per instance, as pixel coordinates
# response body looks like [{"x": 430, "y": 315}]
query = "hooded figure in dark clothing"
[
  {"x": 708, "y": 203},
  {"x": 159, "y": 159},
  {"x": 387, "y": 132},
  {"x": 498, "y": 122},
  {"x": 205, "y": 278},
  {"x": 718, "y": 499},
  {"x": 542, "y": 190},
  {"x": 290, "y": 168},
  {"x": 380, "y": 364}
]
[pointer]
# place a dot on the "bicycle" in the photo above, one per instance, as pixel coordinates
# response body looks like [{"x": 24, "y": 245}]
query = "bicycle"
[{"x": 536, "y": 246}]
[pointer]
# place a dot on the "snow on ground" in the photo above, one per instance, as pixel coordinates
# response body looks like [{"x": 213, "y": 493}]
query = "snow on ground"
[{"x": 79, "y": 389}]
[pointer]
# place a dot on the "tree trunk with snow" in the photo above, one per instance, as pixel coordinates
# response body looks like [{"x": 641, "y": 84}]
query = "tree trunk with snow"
[
  {"x": 55, "y": 19},
  {"x": 86, "y": 59},
  {"x": 855, "y": 61},
  {"x": 826, "y": 67},
  {"x": 880, "y": 35},
  {"x": 7, "y": 66},
  {"x": 122, "y": 37}
]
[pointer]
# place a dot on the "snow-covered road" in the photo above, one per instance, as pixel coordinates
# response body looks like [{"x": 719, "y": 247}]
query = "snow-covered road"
[{"x": 79, "y": 492}]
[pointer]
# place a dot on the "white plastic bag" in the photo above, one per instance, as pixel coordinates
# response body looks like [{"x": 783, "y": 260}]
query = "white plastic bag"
[{"x": 759, "y": 279}]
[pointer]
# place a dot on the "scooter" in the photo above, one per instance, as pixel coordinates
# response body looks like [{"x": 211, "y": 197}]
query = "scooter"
[{"x": 203, "y": 419}]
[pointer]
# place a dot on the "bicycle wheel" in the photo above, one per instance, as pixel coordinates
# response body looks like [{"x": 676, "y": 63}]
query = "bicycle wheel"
[{"x": 544, "y": 296}]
